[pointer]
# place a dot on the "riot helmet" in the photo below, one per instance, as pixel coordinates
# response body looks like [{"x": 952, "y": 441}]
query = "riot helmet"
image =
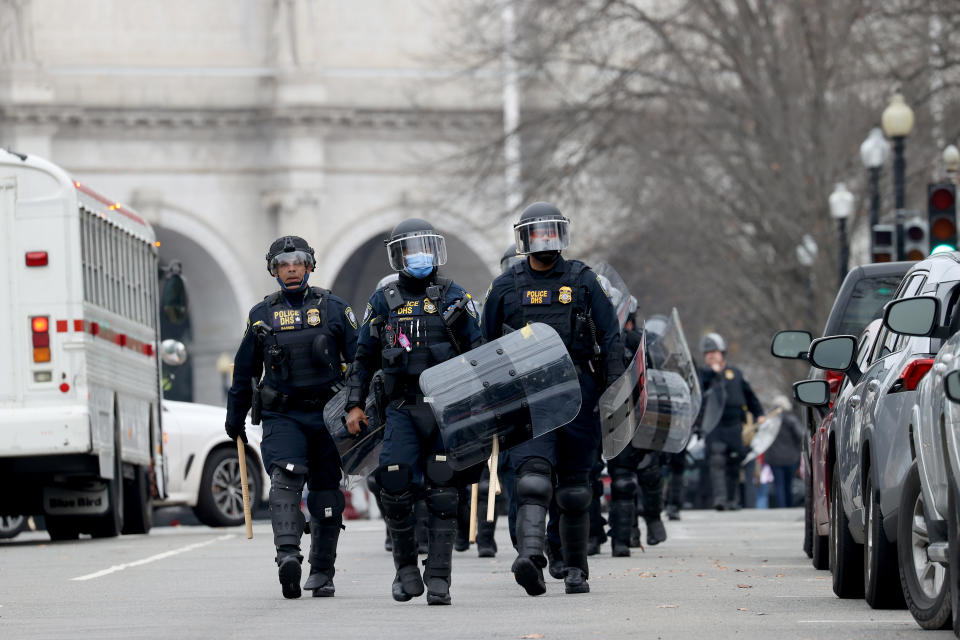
[
  {"x": 510, "y": 258},
  {"x": 289, "y": 249},
  {"x": 387, "y": 279},
  {"x": 713, "y": 342},
  {"x": 542, "y": 231},
  {"x": 416, "y": 248}
]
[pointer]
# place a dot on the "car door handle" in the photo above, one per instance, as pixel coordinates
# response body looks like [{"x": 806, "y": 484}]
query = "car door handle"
[
  {"x": 873, "y": 386},
  {"x": 854, "y": 401}
]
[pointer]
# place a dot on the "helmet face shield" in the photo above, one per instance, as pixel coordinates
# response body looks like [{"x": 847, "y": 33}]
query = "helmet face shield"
[
  {"x": 507, "y": 263},
  {"x": 549, "y": 234},
  {"x": 289, "y": 258},
  {"x": 420, "y": 248}
]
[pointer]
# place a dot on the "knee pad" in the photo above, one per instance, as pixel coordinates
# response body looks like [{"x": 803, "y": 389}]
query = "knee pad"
[
  {"x": 540, "y": 466},
  {"x": 534, "y": 488},
  {"x": 574, "y": 498},
  {"x": 326, "y": 504},
  {"x": 442, "y": 502},
  {"x": 438, "y": 470},
  {"x": 394, "y": 478},
  {"x": 397, "y": 506},
  {"x": 623, "y": 486},
  {"x": 649, "y": 459},
  {"x": 282, "y": 480}
]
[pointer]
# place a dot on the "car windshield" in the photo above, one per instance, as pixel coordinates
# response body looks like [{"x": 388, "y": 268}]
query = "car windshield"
[{"x": 866, "y": 303}]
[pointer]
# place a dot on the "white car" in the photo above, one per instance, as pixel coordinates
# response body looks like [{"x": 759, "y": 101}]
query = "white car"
[{"x": 203, "y": 468}]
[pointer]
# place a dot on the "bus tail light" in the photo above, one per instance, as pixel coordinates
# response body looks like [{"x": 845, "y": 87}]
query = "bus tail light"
[
  {"x": 36, "y": 258},
  {"x": 40, "y": 326}
]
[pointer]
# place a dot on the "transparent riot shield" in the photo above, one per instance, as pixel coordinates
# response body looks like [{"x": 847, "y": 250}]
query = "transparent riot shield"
[
  {"x": 673, "y": 389},
  {"x": 714, "y": 399},
  {"x": 359, "y": 454},
  {"x": 766, "y": 434},
  {"x": 514, "y": 389},
  {"x": 622, "y": 405},
  {"x": 616, "y": 290}
]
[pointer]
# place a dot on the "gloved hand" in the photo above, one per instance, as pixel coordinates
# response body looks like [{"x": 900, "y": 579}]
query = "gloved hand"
[{"x": 234, "y": 431}]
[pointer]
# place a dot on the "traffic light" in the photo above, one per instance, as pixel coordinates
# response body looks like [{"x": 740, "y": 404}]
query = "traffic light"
[
  {"x": 942, "y": 213},
  {"x": 916, "y": 245},
  {"x": 883, "y": 242}
]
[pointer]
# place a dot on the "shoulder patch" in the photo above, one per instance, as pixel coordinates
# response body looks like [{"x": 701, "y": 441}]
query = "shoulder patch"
[
  {"x": 367, "y": 314},
  {"x": 352, "y": 319},
  {"x": 472, "y": 307}
]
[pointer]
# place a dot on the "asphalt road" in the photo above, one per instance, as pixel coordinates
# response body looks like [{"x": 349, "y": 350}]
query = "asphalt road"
[{"x": 719, "y": 575}]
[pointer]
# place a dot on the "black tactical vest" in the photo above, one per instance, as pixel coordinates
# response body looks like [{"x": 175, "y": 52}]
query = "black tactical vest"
[
  {"x": 736, "y": 405},
  {"x": 558, "y": 302},
  {"x": 288, "y": 352},
  {"x": 413, "y": 337}
]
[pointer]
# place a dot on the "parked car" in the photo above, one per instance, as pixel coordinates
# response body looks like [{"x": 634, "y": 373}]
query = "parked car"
[
  {"x": 203, "y": 464},
  {"x": 11, "y": 526},
  {"x": 860, "y": 299},
  {"x": 872, "y": 455},
  {"x": 951, "y": 436}
]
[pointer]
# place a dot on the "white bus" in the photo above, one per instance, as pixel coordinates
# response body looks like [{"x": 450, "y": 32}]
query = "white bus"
[{"x": 80, "y": 434}]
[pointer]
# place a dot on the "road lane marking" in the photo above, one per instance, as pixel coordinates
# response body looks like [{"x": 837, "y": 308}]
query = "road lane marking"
[{"x": 154, "y": 558}]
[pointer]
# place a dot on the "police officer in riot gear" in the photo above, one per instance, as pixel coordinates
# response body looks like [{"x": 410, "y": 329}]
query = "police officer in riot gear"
[
  {"x": 566, "y": 295},
  {"x": 410, "y": 325},
  {"x": 297, "y": 338},
  {"x": 725, "y": 442},
  {"x": 634, "y": 473}
]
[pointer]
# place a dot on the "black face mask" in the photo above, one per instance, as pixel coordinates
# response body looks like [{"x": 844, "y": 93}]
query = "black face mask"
[{"x": 546, "y": 257}]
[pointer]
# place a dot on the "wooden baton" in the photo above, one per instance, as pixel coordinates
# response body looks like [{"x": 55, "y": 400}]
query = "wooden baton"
[
  {"x": 494, "y": 489},
  {"x": 474, "y": 499},
  {"x": 242, "y": 456}
]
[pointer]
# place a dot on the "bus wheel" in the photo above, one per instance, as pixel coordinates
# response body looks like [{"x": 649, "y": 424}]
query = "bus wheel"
[
  {"x": 62, "y": 528},
  {"x": 137, "y": 503},
  {"x": 110, "y": 524}
]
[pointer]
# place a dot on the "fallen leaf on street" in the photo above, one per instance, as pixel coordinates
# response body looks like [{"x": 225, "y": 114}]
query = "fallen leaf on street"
[
  {"x": 740, "y": 609},
  {"x": 531, "y": 636},
  {"x": 779, "y": 575},
  {"x": 666, "y": 606},
  {"x": 745, "y": 586},
  {"x": 741, "y": 570}
]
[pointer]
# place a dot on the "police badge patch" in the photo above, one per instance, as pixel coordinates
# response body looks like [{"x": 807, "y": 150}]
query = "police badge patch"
[
  {"x": 352, "y": 319},
  {"x": 472, "y": 308},
  {"x": 366, "y": 314},
  {"x": 428, "y": 306},
  {"x": 566, "y": 295},
  {"x": 729, "y": 374},
  {"x": 313, "y": 317}
]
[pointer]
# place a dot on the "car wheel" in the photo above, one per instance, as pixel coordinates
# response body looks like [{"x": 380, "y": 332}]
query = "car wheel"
[
  {"x": 881, "y": 581},
  {"x": 953, "y": 554},
  {"x": 925, "y": 584},
  {"x": 846, "y": 556},
  {"x": 220, "y": 503},
  {"x": 11, "y": 526}
]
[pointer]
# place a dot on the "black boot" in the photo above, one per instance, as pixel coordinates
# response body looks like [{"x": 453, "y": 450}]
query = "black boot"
[
  {"x": 531, "y": 532},
  {"x": 422, "y": 515},
  {"x": 439, "y": 560},
  {"x": 622, "y": 519},
  {"x": 287, "y": 522},
  {"x": 323, "y": 554},
  {"x": 557, "y": 567},
  {"x": 673, "y": 512},
  {"x": 401, "y": 524},
  {"x": 387, "y": 542},
  {"x": 593, "y": 546},
  {"x": 574, "y": 502},
  {"x": 656, "y": 533},
  {"x": 486, "y": 544}
]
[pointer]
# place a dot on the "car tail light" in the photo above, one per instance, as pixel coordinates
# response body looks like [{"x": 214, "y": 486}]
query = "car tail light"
[
  {"x": 913, "y": 373},
  {"x": 40, "y": 326},
  {"x": 36, "y": 258},
  {"x": 834, "y": 378}
]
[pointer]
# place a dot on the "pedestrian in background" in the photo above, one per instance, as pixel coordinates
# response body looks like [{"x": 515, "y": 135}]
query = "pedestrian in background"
[{"x": 783, "y": 456}]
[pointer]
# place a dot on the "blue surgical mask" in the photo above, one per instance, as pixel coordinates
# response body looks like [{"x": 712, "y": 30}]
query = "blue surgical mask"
[{"x": 419, "y": 265}]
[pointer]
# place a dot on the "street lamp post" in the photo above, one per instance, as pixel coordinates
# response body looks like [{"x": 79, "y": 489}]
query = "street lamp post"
[
  {"x": 874, "y": 152},
  {"x": 897, "y": 120},
  {"x": 841, "y": 206}
]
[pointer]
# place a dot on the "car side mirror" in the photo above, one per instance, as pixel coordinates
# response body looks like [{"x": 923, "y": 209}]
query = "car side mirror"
[
  {"x": 791, "y": 345},
  {"x": 912, "y": 316},
  {"x": 836, "y": 353},
  {"x": 815, "y": 393},
  {"x": 173, "y": 352},
  {"x": 951, "y": 385}
]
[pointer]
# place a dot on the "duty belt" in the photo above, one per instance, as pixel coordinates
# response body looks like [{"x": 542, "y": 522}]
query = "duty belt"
[{"x": 274, "y": 400}]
